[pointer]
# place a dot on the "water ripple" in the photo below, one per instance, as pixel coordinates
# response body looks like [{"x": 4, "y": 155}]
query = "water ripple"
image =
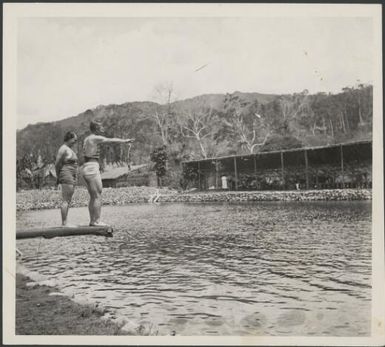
[{"x": 220, "y": 269}]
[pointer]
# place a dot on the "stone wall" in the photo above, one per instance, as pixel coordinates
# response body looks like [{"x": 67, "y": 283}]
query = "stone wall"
[
  {"x": 304, "y": 195},
  {"x": 48, "y": 199}
]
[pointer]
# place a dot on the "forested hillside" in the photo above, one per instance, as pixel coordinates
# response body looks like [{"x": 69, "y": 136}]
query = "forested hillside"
[{"x": 211, "y": 125}]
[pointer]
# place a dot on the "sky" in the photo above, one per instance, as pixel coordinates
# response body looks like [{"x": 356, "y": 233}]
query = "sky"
[{"x": 68, "y": 65}]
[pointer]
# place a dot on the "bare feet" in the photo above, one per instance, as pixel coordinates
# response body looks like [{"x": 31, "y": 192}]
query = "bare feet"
[{"x": 99, "y": 224}]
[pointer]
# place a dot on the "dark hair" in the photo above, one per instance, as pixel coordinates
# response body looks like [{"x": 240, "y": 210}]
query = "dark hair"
[
  {"x": 89, "y": 113},
  {"x": 69, "y": 135},
  {"x": 95, "y": 125}
]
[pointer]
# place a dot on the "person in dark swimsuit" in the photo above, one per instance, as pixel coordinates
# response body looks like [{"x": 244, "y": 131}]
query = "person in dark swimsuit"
[{"x": 66, "y": 166}]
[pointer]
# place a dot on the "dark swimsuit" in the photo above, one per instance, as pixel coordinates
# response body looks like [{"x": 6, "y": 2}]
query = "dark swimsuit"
[{"x": 69, "y": 170}]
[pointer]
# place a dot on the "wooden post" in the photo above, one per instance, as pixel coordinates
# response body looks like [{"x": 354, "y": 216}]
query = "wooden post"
[
  {"x": 255, "y": 170},
  {"x": 216, "y": 174},
  {"x": 283, "y": 170},
  {"x": 306, "y": 170},
  {"x": 236, "y": 173},
  {"x": 342, "y": 166},
  {"x": 182, "y": 166},
  {"x": 64, "y": 231},
  {"x": 199, "y": 175}
]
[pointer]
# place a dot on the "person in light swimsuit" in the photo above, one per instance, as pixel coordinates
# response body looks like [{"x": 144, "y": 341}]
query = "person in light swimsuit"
[
  {"x": 66, "y": 166},
  {"x": 90, "y": 170}
]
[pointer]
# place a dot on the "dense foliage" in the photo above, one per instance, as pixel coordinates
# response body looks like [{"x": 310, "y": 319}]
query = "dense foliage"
[
  {"x": 159, "y": 157},
  {"x": 210, "y": 125}
]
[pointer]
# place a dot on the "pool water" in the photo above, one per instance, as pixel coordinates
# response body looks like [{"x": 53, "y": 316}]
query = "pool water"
[{"x": 271, "y": 268}]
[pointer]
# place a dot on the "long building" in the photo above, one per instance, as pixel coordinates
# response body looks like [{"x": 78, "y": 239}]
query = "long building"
[{"x": 346, "y": 165}]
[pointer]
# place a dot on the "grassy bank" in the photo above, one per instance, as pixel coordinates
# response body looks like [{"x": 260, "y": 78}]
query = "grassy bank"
[
  {"x": 41, "y": 312},
  {"x": 43, "y": 199}
]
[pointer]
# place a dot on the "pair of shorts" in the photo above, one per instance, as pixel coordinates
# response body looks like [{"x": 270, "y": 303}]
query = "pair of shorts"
[
  {"x": 68, "y": 175},
  {"x": 90, "y": 169}
]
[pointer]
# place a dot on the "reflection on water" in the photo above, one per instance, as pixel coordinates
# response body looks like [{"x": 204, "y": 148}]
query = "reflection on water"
[{"x": 220, "y": 269}]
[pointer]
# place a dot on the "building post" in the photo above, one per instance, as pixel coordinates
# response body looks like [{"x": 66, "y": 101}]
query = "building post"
[
  {"x": 342, "y": 166},
  {"x": 182, "y": 166},
  {"x": 307, "y": 169},
  {"x": 216, "y": 174},
  {"x": 199, "y": 175},
  {"x": 283, "y": 171},
  {"x": 255, "y": 169},
  {"x": 236, "y": 173}
]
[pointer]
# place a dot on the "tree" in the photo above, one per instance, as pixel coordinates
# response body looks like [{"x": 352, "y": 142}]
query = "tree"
[
  {"x": 164, "y": 94},
  {"x": 295, "y": 108},
  {"x": 159, "y": 157},
  {"x": 24, "y": 174},
  {"x": 199, "y": 122},
  {"x": 246, "y": 122},
  {"x": 210, "y": 125},
  {"x": 121, "y": 126},
  {"x": 363, "y": 95},
  {"x": 293, "y": 104},
  {"x": 278, "y": 142},
  {"x": 189, "y": 174},
  {"x": 128, "y": 121},
  {"x": 44, "y": 139}
]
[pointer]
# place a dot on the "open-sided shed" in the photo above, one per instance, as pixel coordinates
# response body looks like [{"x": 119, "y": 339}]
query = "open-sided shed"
[{"x": 335, "y": 166}]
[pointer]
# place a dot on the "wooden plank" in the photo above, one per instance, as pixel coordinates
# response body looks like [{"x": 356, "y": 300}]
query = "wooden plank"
[{"x": 48, "y": 233}]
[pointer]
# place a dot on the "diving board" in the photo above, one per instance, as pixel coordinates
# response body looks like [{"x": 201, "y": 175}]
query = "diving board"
[{"x": 48, "y": 233}]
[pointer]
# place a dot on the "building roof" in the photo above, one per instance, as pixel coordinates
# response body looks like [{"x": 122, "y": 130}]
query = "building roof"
[
  {"x": 279, "y": 151},
  {"x": 111, "y": 173}
]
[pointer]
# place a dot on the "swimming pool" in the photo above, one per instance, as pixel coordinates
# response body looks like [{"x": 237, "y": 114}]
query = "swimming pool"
[{"x": 268, "y": 268}]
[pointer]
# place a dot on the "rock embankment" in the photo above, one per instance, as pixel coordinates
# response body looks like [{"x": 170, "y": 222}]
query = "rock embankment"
[
  {"x": 49, "y": 198},
  {"x": 45, "y": 199},
  {"x": 302, "y": 195}
]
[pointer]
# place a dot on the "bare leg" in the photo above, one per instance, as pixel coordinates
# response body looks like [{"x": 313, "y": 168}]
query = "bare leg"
[
  {"x": 90, "y": 211},
  {"x": 94, "y": 186},
  {"x": 67, "y": 192}
]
